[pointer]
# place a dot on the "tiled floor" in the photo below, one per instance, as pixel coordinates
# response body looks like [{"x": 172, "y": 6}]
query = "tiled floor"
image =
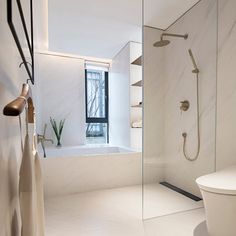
[
  {"x": 159, "y": 200},
  {"x": 114, "y": 212}
]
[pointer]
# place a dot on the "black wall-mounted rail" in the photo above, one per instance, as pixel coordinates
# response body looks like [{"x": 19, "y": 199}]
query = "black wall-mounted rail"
[{"x": 30, "y": 42}]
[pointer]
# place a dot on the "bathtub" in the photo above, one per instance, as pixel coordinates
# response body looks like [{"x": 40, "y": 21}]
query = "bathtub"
[
  {"x": 85, "y": 150},
  {"x": 70, "y": 170}
]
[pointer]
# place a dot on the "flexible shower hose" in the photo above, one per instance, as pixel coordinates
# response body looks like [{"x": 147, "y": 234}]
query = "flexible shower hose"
[{"x": 198, "y": 131}]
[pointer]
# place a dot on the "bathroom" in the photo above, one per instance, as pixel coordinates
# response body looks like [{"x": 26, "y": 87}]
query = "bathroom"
[{"x": 151, "y": 163}]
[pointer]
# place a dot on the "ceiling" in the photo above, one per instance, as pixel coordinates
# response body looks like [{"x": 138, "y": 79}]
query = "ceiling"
[
  {"x": 100, "y": 28},
  {"x": 162, "y": 13}
]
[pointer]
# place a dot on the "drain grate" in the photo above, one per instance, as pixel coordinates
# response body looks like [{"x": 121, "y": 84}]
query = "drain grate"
[{"x": 181, "y": 191}]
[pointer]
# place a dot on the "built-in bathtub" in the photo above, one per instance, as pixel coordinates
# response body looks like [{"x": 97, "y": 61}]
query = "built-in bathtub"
[
  {"x": 70, "y": 170},
  {"x": 88, "y": 150}
]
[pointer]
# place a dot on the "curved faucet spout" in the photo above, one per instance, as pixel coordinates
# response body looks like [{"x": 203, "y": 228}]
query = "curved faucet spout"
[{"x": 42, "y": 139}]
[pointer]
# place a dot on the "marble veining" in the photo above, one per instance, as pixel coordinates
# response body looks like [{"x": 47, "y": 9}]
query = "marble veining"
[
  {"x": 170, "y": 76},
  {"x": 226, "y": 89}
]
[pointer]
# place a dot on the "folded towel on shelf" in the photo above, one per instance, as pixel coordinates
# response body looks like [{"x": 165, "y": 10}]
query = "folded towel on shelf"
[{"x": 137, "y": 124}]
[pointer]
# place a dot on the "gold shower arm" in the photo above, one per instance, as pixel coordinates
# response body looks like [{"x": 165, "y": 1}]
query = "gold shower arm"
[
  {"x": 185, "y": 36},
  {"x": 16, "y": 107}
]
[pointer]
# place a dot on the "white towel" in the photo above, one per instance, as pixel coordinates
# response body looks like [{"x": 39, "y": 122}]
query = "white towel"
[
  {"x": 39, "y": 197},
  {"x": 137, "y": 124},
  {"x": 38, "y": 188},
  {"x": 26, "y": 189}
]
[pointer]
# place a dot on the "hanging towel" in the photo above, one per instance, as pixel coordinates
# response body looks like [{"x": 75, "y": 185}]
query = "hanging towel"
[
  {"x": 39, "y": 197},
  {"x": 26, "y": 189},
  {"x": 38, "y": 188}
]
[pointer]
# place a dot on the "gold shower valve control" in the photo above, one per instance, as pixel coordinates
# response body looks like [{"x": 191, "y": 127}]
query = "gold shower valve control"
[{"x": 184, "y": 105}]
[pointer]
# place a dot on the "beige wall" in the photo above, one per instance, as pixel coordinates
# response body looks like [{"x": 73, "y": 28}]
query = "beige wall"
[
  {"x": 217, "y": 94},
  {"x": 168, "y": 79},
  {"x": 180, "y": 84},
  {"x": 153, "y": 99},
  {"x": 226, "y": 87}
]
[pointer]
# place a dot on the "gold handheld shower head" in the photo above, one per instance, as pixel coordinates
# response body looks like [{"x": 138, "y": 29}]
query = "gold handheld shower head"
[{"x": 196, "y": 70}]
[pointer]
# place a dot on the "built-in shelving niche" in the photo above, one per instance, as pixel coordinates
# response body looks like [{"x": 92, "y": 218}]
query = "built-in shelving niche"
[
  {"x": 137, "y": 106},
  {"x": 138, "y": 84},
  {"x": 138, "y": 61}
]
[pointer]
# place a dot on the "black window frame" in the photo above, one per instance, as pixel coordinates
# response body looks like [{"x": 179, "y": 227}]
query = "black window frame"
[{"x": 104, "y": 120}]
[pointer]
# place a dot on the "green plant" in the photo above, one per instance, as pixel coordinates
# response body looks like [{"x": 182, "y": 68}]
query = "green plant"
[{"x": 57, "y": 129}]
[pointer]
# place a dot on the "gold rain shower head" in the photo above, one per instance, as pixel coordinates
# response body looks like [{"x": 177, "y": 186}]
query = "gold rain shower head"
[{"x": 163, "y": 42}]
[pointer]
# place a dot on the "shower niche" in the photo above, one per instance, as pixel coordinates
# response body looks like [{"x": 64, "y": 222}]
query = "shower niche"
[{"x": 179, "y": 64}]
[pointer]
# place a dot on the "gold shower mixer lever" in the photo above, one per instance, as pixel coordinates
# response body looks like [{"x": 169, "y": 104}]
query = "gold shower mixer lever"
[{"x": 184, "y": 105}]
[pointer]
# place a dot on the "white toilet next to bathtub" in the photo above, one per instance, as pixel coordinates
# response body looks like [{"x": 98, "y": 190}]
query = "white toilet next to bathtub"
[{"x": 219, "y": 195}]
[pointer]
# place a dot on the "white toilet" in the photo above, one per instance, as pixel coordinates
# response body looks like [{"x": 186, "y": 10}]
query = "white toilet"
[{"x": 219, "y": 195}]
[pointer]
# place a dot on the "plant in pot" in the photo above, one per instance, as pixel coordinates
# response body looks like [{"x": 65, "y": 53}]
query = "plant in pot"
[{"x": 57, "y": 129}]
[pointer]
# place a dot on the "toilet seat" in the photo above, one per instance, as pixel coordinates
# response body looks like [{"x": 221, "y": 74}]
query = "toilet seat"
[{"x": 221, "y": 182}]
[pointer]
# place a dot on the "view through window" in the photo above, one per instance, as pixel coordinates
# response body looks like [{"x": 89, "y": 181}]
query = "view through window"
[{"x": 97, "y": 127}]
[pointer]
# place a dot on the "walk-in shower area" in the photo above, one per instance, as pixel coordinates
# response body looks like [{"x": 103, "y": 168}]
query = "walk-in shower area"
[{"x": 180, "y": 67}]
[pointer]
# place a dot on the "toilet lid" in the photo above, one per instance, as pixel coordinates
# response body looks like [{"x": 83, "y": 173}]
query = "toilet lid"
[{"x": 222, "y": 182}]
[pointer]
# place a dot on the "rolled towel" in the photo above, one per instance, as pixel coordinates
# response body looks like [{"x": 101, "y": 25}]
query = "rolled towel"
[{"x": 137, "y": 124}]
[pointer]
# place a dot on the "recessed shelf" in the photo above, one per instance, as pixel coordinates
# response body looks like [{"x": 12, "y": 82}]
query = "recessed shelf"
[
  {"x": 138, "y": 61},
  {"x": 138, "y": 84},
  {"x": 138, "y": 106}
]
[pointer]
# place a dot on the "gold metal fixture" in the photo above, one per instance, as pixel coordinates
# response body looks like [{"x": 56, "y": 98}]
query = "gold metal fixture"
[
  {"x": 195, "y": 71},
  {"x": 165, "y": 42},
  {"x": 42, "y": 139},
  {"x": 184, "y": 105}
]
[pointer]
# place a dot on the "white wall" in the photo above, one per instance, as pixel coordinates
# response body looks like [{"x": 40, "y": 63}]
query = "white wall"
[
  {"x": 226, "y": 88},
  {"x": 119, "y": 98},
  {"x": 135, "y": 96},
  {"x": 11, "y": 79},
  {"x": 41, "y": 24},
  {"x": 122, "y": 96},
  {"x": 61, "y": 94}
]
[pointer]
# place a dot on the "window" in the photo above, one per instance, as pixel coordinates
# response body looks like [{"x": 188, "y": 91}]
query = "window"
[{"x": 96, "y": 87}]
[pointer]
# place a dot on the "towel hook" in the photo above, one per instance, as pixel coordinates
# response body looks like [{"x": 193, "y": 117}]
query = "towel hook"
[{"x": 27, "y": 81}]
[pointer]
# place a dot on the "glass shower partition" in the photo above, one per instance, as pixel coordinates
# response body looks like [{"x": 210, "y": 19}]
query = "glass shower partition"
[{"x": 170, "y": 110}]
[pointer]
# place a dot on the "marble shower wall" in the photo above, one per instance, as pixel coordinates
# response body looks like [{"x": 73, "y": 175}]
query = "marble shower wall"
[
  {"x": 153, "y": 100},
  {"x": 180, "y": 84},
  {"x": 168, "y": 79},
  {"x": 226, "y": 87}
]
